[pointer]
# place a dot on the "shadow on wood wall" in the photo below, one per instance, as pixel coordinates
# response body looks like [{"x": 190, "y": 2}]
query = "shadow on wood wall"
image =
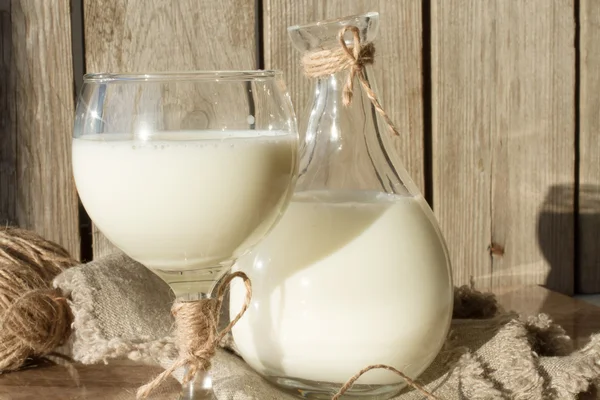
[
  {"x": 588, "y": 240},
  {"x": 557, "y": 216}
]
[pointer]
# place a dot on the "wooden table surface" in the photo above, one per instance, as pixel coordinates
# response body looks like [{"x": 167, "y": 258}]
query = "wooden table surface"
[{"x": 119, "y": 380}]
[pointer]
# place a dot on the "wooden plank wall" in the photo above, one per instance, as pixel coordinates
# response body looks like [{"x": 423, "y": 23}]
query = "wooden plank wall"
[
  {"x": 503, "y": 90},
  {"x": 37, "y": 103},
  {"x": 498, "y": 102},
  {"x": 162, "y": 35}
]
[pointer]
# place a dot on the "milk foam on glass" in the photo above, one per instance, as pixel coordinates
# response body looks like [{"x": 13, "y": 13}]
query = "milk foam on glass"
[
  {"x": 184, "y": 172},
  {"x": 356, "y": 272}
]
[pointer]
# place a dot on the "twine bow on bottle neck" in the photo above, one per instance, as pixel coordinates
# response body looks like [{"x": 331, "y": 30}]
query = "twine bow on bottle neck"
[
  {"x": 353, "y": 58},
  {"x": 196, "y": 327}
]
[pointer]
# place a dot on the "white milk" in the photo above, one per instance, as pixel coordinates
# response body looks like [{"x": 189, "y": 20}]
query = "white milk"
[
  {"x": 188, "y": 202},
  {"x": 346, "y": 279}
]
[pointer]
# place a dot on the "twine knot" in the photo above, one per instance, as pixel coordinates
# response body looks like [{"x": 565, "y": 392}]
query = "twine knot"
[
  {"x": 353, "y": 58},
  {"x": 358, "y": 56},
  {"x": 196, "y": 324},
  {"x": 34, "y": 318}
]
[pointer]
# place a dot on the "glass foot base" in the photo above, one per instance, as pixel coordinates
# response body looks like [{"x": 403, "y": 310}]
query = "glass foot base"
[
  {"x": 199, "y": 388},
  {"x": 325, "y": 390}
]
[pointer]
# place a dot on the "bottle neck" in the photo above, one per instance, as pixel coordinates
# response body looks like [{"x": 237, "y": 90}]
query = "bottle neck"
[{"x": 348, "y": 146}]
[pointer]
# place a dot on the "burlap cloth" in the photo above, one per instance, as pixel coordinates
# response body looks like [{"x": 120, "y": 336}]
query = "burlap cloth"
[{"x": 122, "y": 309}]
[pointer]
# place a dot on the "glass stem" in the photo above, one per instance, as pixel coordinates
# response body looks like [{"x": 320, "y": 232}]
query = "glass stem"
[
  {"x": 194, "y": 284},
  {"x": 197, "y": 285}
]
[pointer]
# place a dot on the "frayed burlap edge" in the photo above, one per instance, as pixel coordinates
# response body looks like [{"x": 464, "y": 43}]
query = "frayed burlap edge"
[{"x": 88, "y": 344}]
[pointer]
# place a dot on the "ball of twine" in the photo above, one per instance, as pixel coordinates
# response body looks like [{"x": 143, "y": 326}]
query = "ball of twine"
[{"x": 34, "y": 318}]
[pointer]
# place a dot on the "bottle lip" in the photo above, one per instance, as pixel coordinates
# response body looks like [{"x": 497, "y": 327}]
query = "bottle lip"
[
  {"x": 342, "y": 21},
  {"x": 206, "y": 76}
]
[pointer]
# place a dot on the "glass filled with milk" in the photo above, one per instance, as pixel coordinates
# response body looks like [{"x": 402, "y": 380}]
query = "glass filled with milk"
[
  {"x": 356, "y": 272},
  {"x": 185, "y": 172}
]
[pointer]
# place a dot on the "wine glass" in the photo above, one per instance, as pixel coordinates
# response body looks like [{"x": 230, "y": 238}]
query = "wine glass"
[{"x": 185, "y": 172}]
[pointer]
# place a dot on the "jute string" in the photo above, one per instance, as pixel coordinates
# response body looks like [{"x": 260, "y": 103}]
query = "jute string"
[
  {"x": 35, "y": 319},
  {"x": 196, "y": 328},
  {"x": 350, "y": 382},
  {"x": 330, "y": 61}
]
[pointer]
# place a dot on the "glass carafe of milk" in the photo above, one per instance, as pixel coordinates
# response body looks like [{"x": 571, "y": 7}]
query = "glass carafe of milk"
[{"x": 356, "y": 272}]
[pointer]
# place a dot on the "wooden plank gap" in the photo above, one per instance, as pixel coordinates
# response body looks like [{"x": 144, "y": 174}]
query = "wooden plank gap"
[
  {"x": 259, "y": 33},
  {"x": 78, "y": 51},
  {"x": 427, "y": 106},
  {"x": 8, "y": 139},
  {"x": 577, "y": 153}
]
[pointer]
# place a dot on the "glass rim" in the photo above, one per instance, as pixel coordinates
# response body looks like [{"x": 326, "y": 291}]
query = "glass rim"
[
  {"x": 207, "y": 76},
  {"x": 340, "y": 20}
]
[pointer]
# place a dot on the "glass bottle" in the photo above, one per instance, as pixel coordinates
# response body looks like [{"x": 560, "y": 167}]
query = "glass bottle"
[{"x": 356, "y": 272}]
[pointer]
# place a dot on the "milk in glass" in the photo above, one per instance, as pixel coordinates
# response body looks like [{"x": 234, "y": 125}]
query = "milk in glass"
[{"x": 184, "y": 200}]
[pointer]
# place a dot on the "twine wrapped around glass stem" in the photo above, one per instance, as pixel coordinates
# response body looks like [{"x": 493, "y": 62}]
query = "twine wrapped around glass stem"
[{"x": 197, "y": 334}]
